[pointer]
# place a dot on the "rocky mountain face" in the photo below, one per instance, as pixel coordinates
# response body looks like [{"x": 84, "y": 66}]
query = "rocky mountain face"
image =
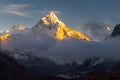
[
  {"x": 11, "y": 70},
  {"x": 53, "y": 25},
  {"x": 116, "y": 31},
  {"x": 45, "y": 69},
  {"x": 89, "y": 67}
]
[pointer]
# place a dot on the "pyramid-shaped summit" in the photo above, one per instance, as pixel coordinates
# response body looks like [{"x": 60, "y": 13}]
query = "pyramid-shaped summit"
[
  {"x": 48, "y": 22},
  {"x": 52, "y": 24}
]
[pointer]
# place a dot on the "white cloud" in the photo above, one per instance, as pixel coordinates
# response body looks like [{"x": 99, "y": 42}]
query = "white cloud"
[
  {"x": 22, "y": 10},
  {"x": 14, "y": 12},
  {"x": 17, "y": 6},
  {"x": 16, "y": 9},
  {"x": 66, "y": 50}
]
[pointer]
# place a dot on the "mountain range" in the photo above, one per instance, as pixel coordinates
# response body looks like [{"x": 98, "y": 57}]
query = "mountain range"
[
  {"x": 91, "y": 69},
  {"x": 52, "y": 25},
  {"x": 21, "y": 64}
]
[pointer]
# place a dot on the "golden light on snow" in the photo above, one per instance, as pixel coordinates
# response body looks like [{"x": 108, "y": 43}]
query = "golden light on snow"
[
  {"x": 4, "y": 37},
  {"x": 47, "y": 20},
  {"x": 64, "y": 31},
  {"x": 20, "y": 27},
  {"x": 108, "y": 28},
  {"x": 7, "y": 31}
]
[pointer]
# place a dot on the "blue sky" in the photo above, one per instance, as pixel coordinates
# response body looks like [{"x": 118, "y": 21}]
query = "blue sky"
[{"x": 75, "y": 13}]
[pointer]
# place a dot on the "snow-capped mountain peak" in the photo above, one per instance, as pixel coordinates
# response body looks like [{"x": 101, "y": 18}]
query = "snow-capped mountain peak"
[
  {"x": 49, "y": 22},
  {"x": 55, "y": 26},
  {"x": 15, "y": 28},
  {"x": 51, "y": 18}
]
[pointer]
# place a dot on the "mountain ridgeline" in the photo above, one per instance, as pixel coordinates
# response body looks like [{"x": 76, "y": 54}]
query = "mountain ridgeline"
[
  {"x": 116, "y": 31},
  {"x": 22, "y": 64},
  {"x": 51, "y": 23},
  {"x": 91, "y": 69}
]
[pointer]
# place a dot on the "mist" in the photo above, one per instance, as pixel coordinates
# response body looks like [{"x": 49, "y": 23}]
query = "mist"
[
  {"x": 66, "y": 50},
  {"x": 96, "y": 30},
  {"x": 78, "y": 50},
  {"x": 29, "y": 41}
]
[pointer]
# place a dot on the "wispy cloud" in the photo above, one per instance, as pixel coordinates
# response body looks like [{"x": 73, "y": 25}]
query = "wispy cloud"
[
  {"x": 40, "y": 13},
  {"x": 14, "y": 12},
  {"x": 16, "y": 9},
  {"x": 17, "y": 6},
  {"x": 23, "y": 10}
]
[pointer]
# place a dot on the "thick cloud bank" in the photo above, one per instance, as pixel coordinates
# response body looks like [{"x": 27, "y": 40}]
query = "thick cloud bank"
[
  {"x": 72, "y": 49},
  {"x": 66, "y": 50}
]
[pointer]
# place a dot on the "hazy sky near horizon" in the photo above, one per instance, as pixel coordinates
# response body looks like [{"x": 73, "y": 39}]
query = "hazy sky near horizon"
[{"x": 74, "y": 13}]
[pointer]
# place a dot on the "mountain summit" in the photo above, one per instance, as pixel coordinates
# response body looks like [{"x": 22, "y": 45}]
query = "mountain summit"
[
  {"x": 15, "y": 28},
  {"x": 52, "y": 24},
  {"x": 116, "y": 31}
]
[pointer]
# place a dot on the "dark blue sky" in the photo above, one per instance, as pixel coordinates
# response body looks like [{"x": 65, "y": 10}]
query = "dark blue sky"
[{"x": 75, "y": 13}]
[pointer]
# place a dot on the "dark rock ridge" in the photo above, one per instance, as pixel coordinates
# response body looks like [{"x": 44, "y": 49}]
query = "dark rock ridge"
[
  {"x": 116, "y": 31},
  {"x": 11, "y": 70}
]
